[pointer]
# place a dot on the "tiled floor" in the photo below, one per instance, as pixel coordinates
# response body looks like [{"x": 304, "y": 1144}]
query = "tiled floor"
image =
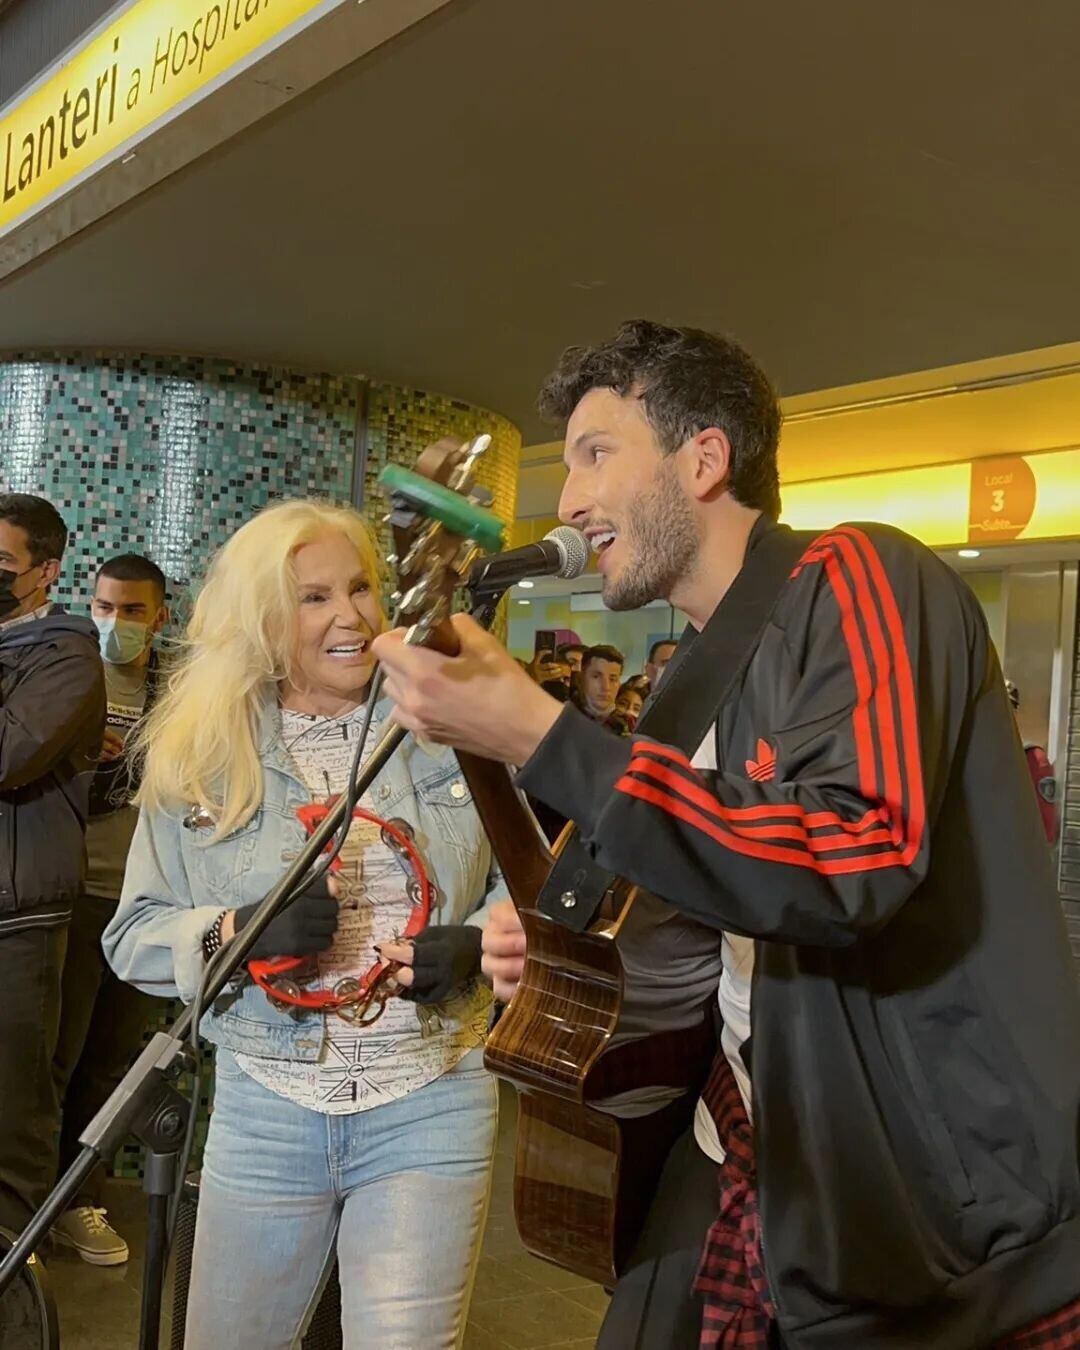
[{"x": 519, "y": 1303}]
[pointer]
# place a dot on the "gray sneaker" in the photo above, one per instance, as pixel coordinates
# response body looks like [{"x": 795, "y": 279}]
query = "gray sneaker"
[{"x": 93, "y": 1237}]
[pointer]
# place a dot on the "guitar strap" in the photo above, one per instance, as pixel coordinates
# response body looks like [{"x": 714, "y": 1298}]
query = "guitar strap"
[{"x": 705, "y": 669}]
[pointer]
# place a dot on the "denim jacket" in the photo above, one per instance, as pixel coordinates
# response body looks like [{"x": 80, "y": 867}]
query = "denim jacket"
[{"x": 178, "y": 882}]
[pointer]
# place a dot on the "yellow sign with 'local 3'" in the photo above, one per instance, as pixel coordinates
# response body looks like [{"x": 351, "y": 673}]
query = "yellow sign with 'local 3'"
[{"x": 142, "y": 64}]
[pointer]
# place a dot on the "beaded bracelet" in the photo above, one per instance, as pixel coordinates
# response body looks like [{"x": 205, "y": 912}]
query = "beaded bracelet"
[{"x": 211, "y": 942}]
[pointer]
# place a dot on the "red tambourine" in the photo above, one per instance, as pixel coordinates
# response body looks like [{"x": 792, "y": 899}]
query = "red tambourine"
[{"x": 360, "y": 1001}]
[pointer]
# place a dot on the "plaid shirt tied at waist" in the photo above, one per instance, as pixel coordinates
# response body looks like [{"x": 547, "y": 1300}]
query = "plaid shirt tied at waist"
[{"x": 738, "y": 1312}]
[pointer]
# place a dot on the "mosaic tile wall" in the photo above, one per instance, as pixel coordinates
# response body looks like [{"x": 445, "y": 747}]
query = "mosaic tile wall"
[
  {"x": 167, "y": 456},
  {"x": 400, "y": 422}
]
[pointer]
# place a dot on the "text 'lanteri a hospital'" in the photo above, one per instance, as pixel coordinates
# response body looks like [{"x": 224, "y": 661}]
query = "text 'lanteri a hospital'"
[{"x": 99, "y": 99}]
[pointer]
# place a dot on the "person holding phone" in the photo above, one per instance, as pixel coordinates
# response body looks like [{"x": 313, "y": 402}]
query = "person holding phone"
[{"x": 548, "y": 670}]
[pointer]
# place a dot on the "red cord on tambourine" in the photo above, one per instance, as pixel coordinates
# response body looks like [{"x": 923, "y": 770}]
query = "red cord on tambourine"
[{"x": 362, "y": 1001}]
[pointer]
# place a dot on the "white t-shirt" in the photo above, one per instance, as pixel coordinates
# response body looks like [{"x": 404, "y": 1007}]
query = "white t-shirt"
[
  {"x": 363, "y": 1067},
  {"x": 734, "y": 998}
]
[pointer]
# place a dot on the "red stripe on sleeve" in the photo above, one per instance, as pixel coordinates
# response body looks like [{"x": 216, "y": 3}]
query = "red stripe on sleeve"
[
  {"x": 905, "y": 685},
  {"x": 864, "y": 683},
  {"x": 812, "y": 820},
  {"x": 883, "y": 685},
  {"x": 698, "y": 797},
  {"x": 684, "y": 794},
  {"x": 673, "y": 806}
]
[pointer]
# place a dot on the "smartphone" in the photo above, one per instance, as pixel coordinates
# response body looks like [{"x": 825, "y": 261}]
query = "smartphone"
[{"x": 544, "y": 641}]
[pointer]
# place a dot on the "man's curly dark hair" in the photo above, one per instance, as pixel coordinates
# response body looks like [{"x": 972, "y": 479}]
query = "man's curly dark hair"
[{"x": 687, "y": 380}]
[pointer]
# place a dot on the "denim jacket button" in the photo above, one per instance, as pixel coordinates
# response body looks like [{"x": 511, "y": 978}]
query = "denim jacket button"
[
  {"x": 384, "y": 791},
  {"x": 457, "y": 791}
]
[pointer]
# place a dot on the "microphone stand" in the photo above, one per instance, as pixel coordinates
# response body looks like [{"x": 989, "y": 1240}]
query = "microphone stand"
[
  {"x": 147, "y": 1103},
  {"x": 485, "y": 594}
]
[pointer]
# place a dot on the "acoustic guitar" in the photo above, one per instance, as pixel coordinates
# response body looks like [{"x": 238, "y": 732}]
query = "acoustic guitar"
[{"x": 611, "y": 1031}]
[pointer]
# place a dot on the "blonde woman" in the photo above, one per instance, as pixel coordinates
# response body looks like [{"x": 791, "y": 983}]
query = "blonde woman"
[{"x": 372, "y": 1141}]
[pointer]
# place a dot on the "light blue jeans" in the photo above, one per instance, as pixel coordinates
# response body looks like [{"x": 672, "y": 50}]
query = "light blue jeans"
[{"x": 401, "y": 1190}]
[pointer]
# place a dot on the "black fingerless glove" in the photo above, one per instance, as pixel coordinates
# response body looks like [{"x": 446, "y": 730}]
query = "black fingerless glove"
[
  {"x": 306, "y": 927},
  {"x": 444, "y": 961}
]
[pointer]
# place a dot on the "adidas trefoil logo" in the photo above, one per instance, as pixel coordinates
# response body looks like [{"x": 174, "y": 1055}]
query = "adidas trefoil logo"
[{"x": 762, "y": 769}]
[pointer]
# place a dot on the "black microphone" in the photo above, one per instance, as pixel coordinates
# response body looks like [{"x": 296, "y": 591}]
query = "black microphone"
[{"x": 562, "y": 553}]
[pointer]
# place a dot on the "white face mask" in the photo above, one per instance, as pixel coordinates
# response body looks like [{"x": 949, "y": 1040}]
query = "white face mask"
[{"x": 122, "y": 641}]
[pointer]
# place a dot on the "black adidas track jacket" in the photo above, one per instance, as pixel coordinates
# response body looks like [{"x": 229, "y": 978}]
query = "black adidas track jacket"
[{"x": 915, "y": 1048}]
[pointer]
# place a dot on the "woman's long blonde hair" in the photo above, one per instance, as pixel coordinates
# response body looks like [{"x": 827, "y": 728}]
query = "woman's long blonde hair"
[{"x": 201, "y": 740}]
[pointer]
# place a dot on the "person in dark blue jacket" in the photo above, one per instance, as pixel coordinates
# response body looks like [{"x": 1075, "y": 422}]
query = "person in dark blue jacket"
[{"x": 52, "y": 717}]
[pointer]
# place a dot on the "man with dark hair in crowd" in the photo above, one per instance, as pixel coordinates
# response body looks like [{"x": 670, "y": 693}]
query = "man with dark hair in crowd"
[
  {"x": 594, "y": 689},
  {"x": 660, "y": 653},
  {"x": 102, "y": 1018},
  {"x": 568, "y": 660},
  {"x": 51, "y": 719},
  {"x": 899, "y": 1003},
  {"x": 629, "y": 702},
  {"x": 597, "y": 684},
  {"x": 570, "y": 654}
]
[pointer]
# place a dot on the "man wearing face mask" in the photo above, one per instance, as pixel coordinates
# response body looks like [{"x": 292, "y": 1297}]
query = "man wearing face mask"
[
  {"x": 52, "y": 708},
  {"x": 102, "y": 1018}
]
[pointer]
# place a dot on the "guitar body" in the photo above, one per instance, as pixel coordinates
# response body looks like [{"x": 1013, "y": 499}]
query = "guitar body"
[
  {"x": 586, "y": 1169},
  {"x": 583, "y": 1180}
]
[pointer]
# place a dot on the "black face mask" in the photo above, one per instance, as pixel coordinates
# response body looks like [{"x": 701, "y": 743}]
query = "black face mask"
[{"x": 10, "y": 603}]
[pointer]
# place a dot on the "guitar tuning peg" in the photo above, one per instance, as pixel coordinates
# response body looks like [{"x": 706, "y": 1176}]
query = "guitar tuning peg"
[
  {"x": 391, "y": 560},
  {"x": 388, "y": 518},
  {"x": 395, "y": 598}
]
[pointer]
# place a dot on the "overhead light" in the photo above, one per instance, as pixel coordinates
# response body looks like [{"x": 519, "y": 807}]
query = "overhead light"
[
  {"x": 526, "y": 585},
  {"x": 969, "y": 553},
  {"x": 524, "y": 602}
]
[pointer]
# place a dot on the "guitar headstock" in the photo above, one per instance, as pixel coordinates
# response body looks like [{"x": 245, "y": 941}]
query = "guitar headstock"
[{"x": 440, "y": 526}]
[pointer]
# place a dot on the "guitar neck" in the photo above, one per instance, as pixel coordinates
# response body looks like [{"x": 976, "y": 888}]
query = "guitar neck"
[
  {"x": 436, "y": 532},
  {"x": 520, "y": 850},
  {"x": 516, "y": 840}
]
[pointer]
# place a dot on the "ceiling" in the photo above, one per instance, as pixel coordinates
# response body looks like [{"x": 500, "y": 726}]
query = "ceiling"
[{"x": 855, "y": 190}]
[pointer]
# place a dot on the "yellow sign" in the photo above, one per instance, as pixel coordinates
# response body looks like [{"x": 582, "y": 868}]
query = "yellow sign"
[
  {"x": 143, "y": 64},
  {"x": 983, "y": 501}
]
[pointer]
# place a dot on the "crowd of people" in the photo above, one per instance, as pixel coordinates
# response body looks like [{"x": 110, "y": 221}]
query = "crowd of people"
[
  {"x": 591, "y": 678},
  {"x": 854, "y": 834}
]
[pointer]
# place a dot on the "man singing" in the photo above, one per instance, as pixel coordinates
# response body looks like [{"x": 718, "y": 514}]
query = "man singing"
[{"x": 900, "y": 1015}]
